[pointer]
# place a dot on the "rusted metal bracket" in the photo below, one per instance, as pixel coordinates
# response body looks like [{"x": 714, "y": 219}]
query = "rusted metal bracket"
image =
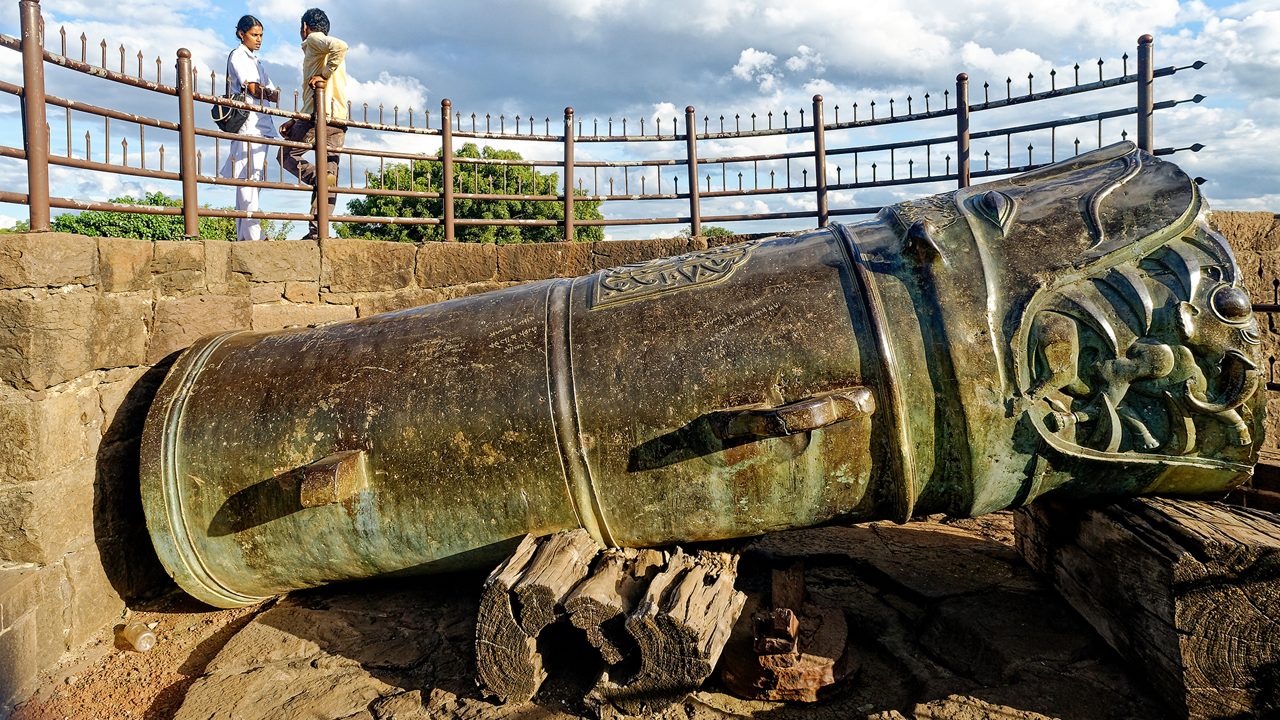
[
  {"x": 803, "y": 416},
  {"x": 334, "y": 479}
]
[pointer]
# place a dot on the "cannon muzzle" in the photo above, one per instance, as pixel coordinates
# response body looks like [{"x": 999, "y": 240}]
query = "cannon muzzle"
[{"x": 962, "y": 353}]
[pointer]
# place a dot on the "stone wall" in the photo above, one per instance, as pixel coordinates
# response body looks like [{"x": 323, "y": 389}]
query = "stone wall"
[
  {"x": 1255, "y": 239},
  {"x": 87, "y": 329},
  {"x": 89, "y": 326}
]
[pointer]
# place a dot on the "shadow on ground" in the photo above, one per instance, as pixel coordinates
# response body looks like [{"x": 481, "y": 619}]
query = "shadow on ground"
[{"x": 945, "y": 619}]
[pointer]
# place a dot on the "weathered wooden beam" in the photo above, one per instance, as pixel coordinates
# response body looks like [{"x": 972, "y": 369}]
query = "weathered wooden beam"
[
  {"x": 600, "y": 603},
  {"x": 508, "y": 665},
  {"x": 680, "y": 626},
  {"x": 1187, "y": 592}
]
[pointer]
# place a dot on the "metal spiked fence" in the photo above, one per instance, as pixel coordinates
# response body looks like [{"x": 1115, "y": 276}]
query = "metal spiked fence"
[{"x": 828, "y": 159}]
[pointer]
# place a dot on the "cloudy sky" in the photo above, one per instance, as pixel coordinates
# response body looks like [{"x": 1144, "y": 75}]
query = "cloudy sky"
[{"x": 648, "y": 59}]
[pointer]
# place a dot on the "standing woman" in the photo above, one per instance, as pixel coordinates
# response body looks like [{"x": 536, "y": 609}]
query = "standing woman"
[{"x": 247, "y": 159}]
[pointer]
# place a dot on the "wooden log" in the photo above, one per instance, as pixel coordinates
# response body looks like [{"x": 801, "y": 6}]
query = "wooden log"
[
  {"x": 508, "y": 665},
  {"x": 795, "y": 651},
  {"x": 1187, "y": 592},
  {"x": 561, "y": 562},
  {"x": 680, "y": 626},
  {"x": 600, "y": 603}
]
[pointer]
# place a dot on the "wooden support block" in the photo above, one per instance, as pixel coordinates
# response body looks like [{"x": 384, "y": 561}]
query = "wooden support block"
[
  {"x": 561, "y": 563},
  {"x": 680, "y": 626},
  {"x": 508, "y": 665},
  {"x": 1187, "y": 592},
  {"x": 795, "y": 651},
  {"x": 600, "y": 603}
]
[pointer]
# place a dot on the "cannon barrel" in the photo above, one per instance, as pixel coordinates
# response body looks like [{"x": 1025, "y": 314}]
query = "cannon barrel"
[{"x": 1077, "y": 329}]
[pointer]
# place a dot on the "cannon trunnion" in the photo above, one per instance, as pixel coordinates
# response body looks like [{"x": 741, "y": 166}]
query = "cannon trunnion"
[{"x": 1077, "y": 329}]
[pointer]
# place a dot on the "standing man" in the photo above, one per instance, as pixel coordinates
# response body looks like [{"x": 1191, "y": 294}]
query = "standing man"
[
  {"x": 247, "y": 160},
  {"x": 323, "y": 63}
]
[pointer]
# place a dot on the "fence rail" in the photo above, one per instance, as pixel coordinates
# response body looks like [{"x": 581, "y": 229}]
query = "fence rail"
[{"x": 811, "y": 173}]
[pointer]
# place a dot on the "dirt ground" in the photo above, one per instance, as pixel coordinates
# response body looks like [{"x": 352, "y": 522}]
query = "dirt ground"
[{"x": 945, "y": 620}]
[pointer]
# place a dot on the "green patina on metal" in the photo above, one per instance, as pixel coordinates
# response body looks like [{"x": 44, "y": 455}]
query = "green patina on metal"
[{"x": 1076, "y": 330}]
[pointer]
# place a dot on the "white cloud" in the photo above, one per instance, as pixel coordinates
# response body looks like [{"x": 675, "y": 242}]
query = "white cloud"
[
  {"x": 806, "y": 59},
  {"x": 752, "y": 63}
]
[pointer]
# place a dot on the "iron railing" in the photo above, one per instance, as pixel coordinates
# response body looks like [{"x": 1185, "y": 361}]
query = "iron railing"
[{"x": 856, "y": 166}]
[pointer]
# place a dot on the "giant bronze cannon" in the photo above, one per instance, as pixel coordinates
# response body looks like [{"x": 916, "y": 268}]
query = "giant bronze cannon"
[{"x": 1077, "y": 330}]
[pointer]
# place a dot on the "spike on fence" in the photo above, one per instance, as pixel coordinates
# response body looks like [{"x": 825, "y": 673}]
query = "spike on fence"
[
  {"x": 62, "y": 31},
  {"x": 1053, "y": 79},
  {"x": 84, "y": 48},
  {"x": 103, "y": 44},
  {"x": 1030, "y": 77}
]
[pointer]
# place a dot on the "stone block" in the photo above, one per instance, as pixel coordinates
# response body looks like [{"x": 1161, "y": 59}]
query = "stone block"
[
  {"x": 19, "y": 593},
  {"x": 41, "y": 520},
  {"x": 49, "y": 433},
  {"x": 121, "y": 330},
  {"x": 458, "y": 291},
  {"x": 1256, "y": 231},
  {"x": 37, "y": 260},
  {"x": 278, "y": 316},
  {"x": 132, "y": 568},
  {"x": 1272, "y": 425},
  {"x": 45, "y": 336},
  {"x": 366, "y": 265},
  {"x": 612, "y": 253},
  {"x": 181, "y": 321},
  {"x": 265, "y": 292},
  {"x": 124, "y": 265},
  {"x": 94, "y": 601},
  {"x": 177, "y": 268},
  {"x": 373, "y": 303},
  {"x": 539, "y": 261},
  {"x": 277, "y": 260},
  {"x": 302, "y": 292},
  {"x": 117, "y": 511},
  {"x": 443, "y": 264},
  {"x": 1251, "y": 279},
  {"x": 217, "y": 268},
  {"x": 18, "y": 662},
  {"x": 125, "y": 399}
]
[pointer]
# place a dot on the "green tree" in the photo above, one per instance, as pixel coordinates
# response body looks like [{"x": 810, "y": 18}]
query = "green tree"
[
  {"x": 709, "y": 231},
  {"x": 115, "y": 223},
  {"x": 497, "y": 178},
  {"x": 21, "y": 226}
]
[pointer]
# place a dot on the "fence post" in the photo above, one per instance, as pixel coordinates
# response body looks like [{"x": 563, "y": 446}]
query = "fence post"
[
  {"x": 35, "y": 130},
  {"x": 321, "y": 143},
  {"x": 187, "y": 146},
  {"x": 1146, "y": 78},
  {"x": 568, "y": 174},
  {"x": 962, "y": 130},
  {"x": 820, "y": 161},
  {"x": 446, "y": 159},
  {"x": 691, "y": 144}
]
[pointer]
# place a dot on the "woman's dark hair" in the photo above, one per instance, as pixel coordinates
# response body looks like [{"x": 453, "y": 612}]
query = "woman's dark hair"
[
  {"x": 247, "y": 23},
  {"x": 316, "y": 20}
]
